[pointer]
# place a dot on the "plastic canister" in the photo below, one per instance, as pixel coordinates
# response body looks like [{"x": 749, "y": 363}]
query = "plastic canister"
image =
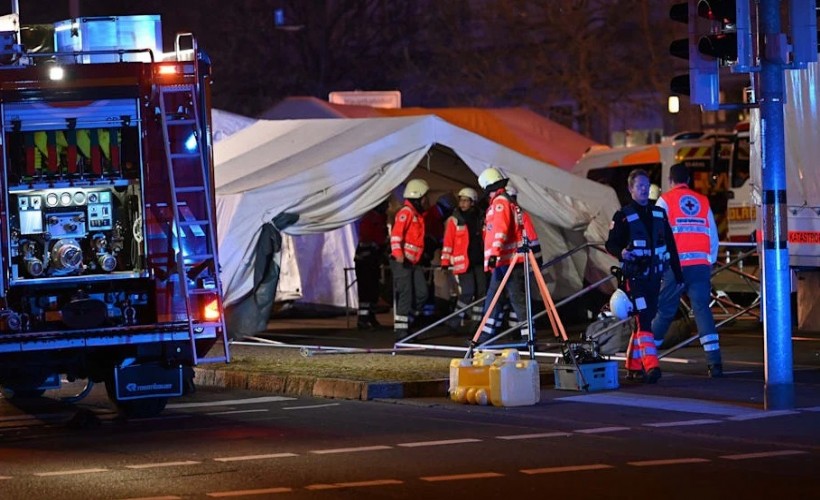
[{"x": 515, "y": 383}]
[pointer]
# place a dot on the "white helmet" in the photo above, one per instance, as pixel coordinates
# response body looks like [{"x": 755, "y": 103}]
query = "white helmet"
[
  {"x": 415, "y": 189},
  {"x": 489, "y": 176},
  {"x": 620, "y": 304},
  {"x": 512, "y": 191},
  {"x": 654, "y": 192},
  {"x": 468, "y": 193}
]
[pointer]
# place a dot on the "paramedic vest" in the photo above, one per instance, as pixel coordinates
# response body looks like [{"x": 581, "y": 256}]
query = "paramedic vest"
[
  {"x": 642, "y": 240},
  {"x": 689, "y": 217},
  {"x": 407, "y": 236},
  {"x": 456, "y": 243},
  {"x": 502, "y": 233}
]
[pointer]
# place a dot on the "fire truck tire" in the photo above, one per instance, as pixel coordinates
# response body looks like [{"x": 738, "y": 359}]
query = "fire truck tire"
[{"x": 135, "y": 408}]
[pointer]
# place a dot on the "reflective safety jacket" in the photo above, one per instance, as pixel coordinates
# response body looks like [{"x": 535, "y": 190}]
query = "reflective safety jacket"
[
  {"x": 502, "y": 233},
  {"x": 693, "y": 225},
  {"x": 456, "y": 243},
  {"x": 407, "y": 236},
  {"x": 647, "y": 244}
]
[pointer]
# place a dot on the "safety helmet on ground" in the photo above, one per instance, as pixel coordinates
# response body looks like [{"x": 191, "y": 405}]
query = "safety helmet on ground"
[
  {"x": 415, "y": 189},
  {"x": 489, "y": 176},
  {"x": 620, "y": 305},
  {"x": 468, "y": 193},
  {"x": 654, "y": 192},
  {"x": 511, "y": 191}
]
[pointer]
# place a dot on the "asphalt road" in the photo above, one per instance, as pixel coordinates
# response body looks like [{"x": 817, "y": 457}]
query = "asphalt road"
[{"x": 216, "y": 443}]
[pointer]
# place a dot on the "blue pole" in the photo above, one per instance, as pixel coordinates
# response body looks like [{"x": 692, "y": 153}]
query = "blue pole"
[{"x": 779, "y": 384}]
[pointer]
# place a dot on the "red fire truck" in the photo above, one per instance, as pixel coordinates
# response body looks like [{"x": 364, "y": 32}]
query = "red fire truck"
[{"x": 108, "y": 262}]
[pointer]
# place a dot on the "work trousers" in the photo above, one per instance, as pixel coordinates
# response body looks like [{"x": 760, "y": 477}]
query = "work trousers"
[
  {"x": 368, "y": 271},
  {"x": 515, "y": 290},
  {"x": 410, "y": 291},
  {"x": 472, "y": 285},
  {"x": 698, "y": 286}
]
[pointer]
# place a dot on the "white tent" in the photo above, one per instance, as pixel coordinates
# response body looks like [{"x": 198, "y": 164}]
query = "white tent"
[{"x": 329, "y": 172}]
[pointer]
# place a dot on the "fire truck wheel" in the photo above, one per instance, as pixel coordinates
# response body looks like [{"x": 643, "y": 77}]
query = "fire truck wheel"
[{"x": 135, "y": 408}]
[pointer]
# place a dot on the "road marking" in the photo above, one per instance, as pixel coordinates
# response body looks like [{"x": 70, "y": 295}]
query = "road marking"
[
  {"x": 764, "y": 454},
  {"x": 229, "y": 402},
  {"x": 438, "y": 443},
  {"x": 309, "y": 407},
  {"x": 601, "y": 430},
  {"x": 162, "y": 464},
  {"x": 535, "y": 436},
  {"x": 660, "y": 403},
  {"x": 700, "y": 421},
  {"x": 737, "y": 372},
  {"x": 350, "y": 450},
  {"x": 4, "y": 477},
  {"x": 243, "y": 493},
  {"x": 671, "y": 461},
  {"x": 255, "y": 457},
  {"x": 568, "y": 468},
  {"x": 355, "y": 484},
  {"x": 811, "y": 408},
  {"x": 69, "y": 472},
  {"x": 233, "y": 412},
  {"x": 460, "y": 477},
  {"x": 763, "y": 414}
]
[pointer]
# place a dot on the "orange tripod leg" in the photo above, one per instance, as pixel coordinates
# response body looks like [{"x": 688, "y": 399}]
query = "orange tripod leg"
[{"x": 552, "y": 312}]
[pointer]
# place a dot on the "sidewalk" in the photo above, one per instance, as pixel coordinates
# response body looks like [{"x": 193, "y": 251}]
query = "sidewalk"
[{"x": 296, "y": 357}]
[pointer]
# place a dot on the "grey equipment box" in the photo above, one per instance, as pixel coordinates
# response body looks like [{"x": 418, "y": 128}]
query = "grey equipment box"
[{"x": 599, "y": 376}]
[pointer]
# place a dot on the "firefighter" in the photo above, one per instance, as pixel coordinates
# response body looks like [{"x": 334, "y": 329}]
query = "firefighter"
[
  {"x": 696, "y": 237},
  {"x": 503, "y": 235},
  {"x": 434, "y": 218},
  {"x": 406, "y": 249},
  {"x": 463, "y": 254},
  {"x": 369, "y": 255},
  {"x": 641, "y": 238}
]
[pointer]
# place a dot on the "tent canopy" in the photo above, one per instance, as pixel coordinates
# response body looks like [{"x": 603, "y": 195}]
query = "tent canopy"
[
  {"x": 330, "y": 172},
  {"x": 519, "y": 129}
]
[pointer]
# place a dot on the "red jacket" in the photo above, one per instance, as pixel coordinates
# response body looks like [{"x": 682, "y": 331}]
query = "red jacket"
[
  {"x": 407, "y": 237},
  {"x": 456, "y": 243},
  {"x": 373, "y": 228},
  {"x": 502, "y": 233}
]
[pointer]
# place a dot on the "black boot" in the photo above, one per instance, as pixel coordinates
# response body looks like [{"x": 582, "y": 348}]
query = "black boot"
[
  {"x": 715, "y": 370},
  {"x": 653, "y": 375}
]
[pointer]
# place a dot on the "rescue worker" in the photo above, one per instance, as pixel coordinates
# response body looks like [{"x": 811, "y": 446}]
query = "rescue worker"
[
  {"x": 434, "y": 218},
  {"x": 503, "y": 235},
  {"x": 535, "y": 246},
  {"x": 368, "y": 260},
  {"x": 406, "y": 248},
  {"x": 641, "y": 238},
  {"x": 696, "y": 237},
  {"x": 463, "y": 254}
]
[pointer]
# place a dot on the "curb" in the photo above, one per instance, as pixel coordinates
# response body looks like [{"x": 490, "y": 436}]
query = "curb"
[{"x": 300, "y": 385}]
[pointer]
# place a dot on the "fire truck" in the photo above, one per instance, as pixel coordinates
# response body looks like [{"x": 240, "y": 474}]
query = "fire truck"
[{"x": 108, "y": 263}]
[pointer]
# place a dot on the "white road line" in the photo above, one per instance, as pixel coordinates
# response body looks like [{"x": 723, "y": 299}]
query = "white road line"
[
  {"x": 4, "y": 477},
  {"x": 671, "y": 461},
  {"x": 763, "y": 414},
  {"x": 461, "y": 477},
  {"x": 438, "y": 443},
  {"x": 811, "y": 408},
  {"x": 601, "y": 430},
  {"x": 233, "y": 412},
  {"x": 156, "y": 465},
  {"x": 244, "y": 493},
  {"x": 660, "y": 403},
  {"x": 69, "y": 472},
  {"x": 567, "y": 468},
  {"x": 355, "y": 484},
  {"x": 535, "y": 436},
  {"x": 229, "y": 402},
  {"x": 350, "y": 450},
  {"x": 255, "y": 457},
  {"x": 309, "y": 407},
  {"x": 764, "y": 454},
  {"x": 700, "y": 421}
]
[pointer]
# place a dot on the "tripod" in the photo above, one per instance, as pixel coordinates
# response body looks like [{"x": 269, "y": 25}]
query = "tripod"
[{"x": 524, "y": 256}]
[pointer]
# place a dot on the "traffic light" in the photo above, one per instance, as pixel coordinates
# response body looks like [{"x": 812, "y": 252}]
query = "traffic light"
[
  {"x": 803, "y": 21},
  {"x": 702, "y": 84},
  {"x": 728, "y": 38}
]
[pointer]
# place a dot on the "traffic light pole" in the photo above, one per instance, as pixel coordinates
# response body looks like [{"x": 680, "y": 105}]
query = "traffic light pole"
[{"x": 779, "y": 381}]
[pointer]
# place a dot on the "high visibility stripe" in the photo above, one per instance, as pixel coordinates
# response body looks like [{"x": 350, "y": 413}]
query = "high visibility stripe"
[
  {"x": 687, "y": 256},
  {"x": 690, "y": 230},
  {"x": 632, "y": 217},
  {"x": 712, "y": 337}
]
